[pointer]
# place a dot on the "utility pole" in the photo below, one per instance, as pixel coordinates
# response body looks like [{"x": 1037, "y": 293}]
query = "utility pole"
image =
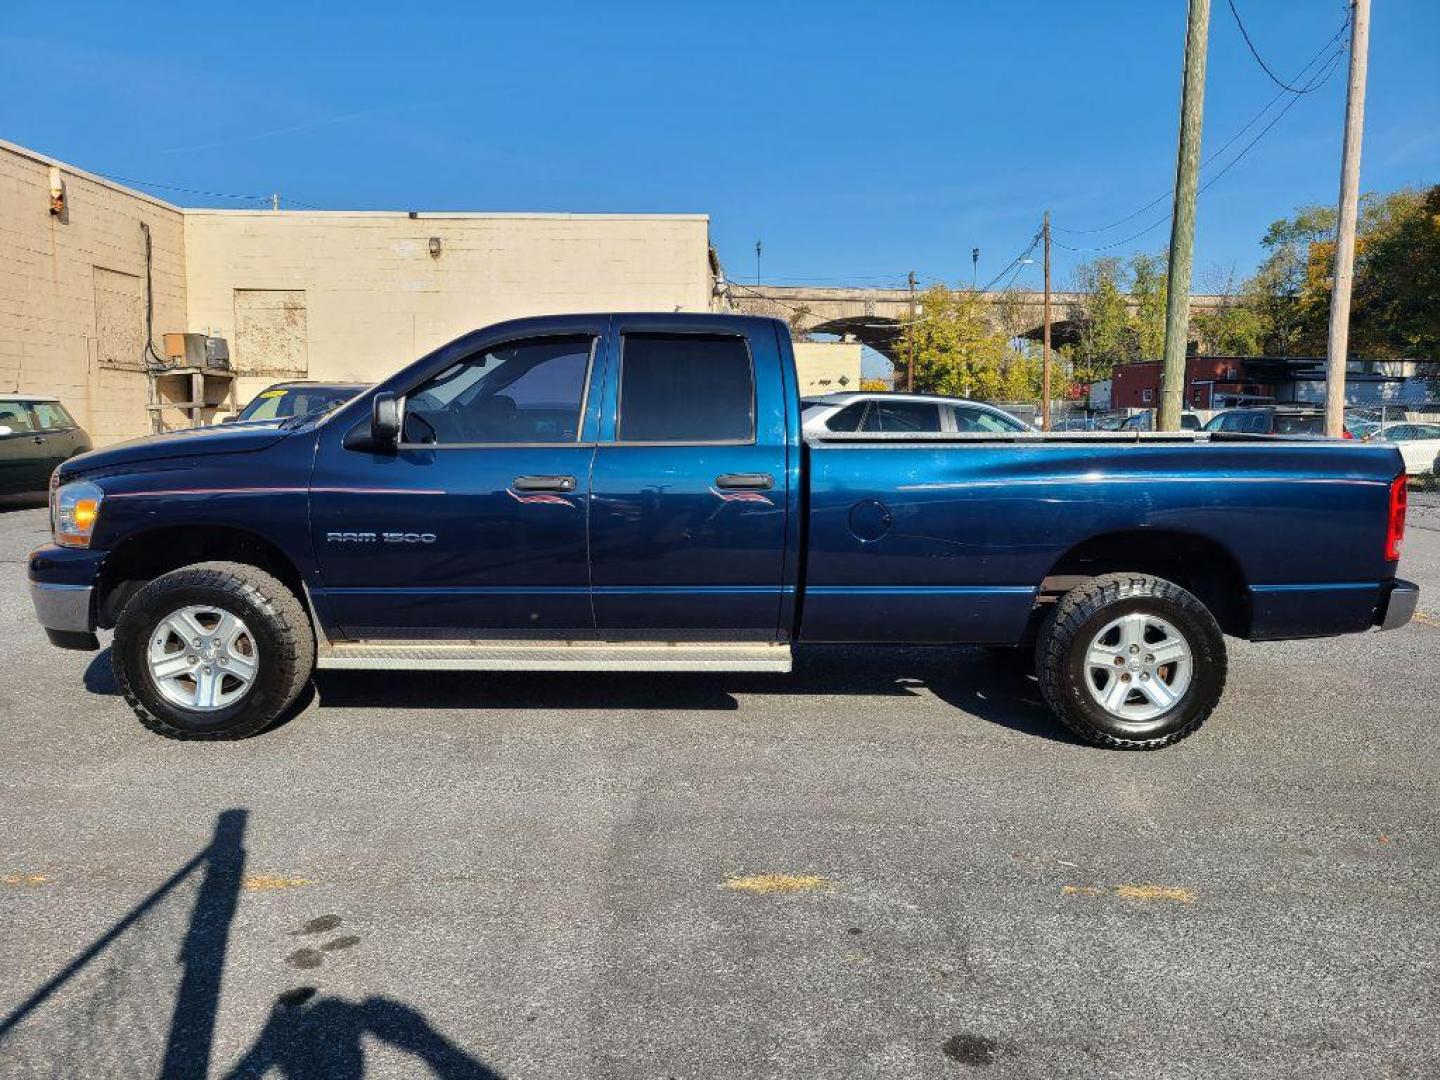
[
  {"x": 757, "y": 262},
  {"x": 1338, "y": 346},
  {"x": 974, "y": 267},
  {"x": 1182, "y": 223},
  {"x": 275, "y": 201},
  {"x": 910, "y": 363},
  {"x": 1045, "y": 339}
]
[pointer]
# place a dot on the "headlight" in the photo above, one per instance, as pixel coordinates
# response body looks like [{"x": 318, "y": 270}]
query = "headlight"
[{"x": 74, "y": 509}]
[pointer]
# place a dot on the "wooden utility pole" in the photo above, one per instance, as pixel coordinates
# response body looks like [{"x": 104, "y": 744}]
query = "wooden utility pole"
[
  {"x": 910, "y": 363},
  {"x": 1045, "y": 339},
  {"x": 1338, "y": 346},
  {"x": 1182, "y": 222}
]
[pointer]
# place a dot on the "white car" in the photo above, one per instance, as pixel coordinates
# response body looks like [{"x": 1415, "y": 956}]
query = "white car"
[
  {"x": 876, "y": 411},
  {"x": 1419, "y": 443}
]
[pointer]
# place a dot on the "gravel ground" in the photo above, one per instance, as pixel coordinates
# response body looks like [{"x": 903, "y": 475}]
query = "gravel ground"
[{"x": 890, "y": 863}]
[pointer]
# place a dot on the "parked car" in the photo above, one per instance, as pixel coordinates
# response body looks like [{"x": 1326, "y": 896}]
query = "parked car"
[
  {"x": 1145, "y": 421},
  {"x": 286, "y": 399},
  {"x": 1269, "y": 420},
  {"x": 1419, "y": 443},
  {"x": 36, "y": 434},
  {"x": 635, "y": 492},
  {"x": 877, "y": 411}
]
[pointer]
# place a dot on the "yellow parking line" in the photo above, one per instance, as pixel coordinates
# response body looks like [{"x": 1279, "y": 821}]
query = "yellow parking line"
[
  {"x": 776, "y": 883},
  {"x": 266, "y": 882},
  {"x": 23, "y": 881},
  {"x": 1143, "y": 893}
]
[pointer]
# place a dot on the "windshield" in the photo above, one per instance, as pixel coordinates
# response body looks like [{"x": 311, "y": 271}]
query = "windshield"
[{"x": 281, "y": 402}]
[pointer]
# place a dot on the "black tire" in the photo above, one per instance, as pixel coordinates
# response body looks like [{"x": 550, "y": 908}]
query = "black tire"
[
  {"x": 274, "y": 617},
  {"x": 1081, "y": 614}
]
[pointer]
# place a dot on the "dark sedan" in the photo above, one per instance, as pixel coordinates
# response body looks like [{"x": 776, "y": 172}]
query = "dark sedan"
[{"x": 36, "y": 434}]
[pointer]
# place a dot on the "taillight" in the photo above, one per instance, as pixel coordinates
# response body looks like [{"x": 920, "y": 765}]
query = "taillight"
[
  {"x": 1346, "y": 434},
  {"x": 1395, "y": 527}
]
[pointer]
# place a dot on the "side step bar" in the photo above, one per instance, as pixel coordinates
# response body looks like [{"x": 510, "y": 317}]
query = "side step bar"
[{"x": 553, "y": 656}]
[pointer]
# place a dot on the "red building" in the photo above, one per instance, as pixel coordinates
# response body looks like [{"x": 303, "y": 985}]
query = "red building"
[{"x": 1211, "y": 382}]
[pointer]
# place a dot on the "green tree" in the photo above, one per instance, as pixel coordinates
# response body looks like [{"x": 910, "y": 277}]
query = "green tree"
[
  {"x": 1101, "y": 312},
  {"x": 1149, "y": 279},
  {"x": 1237, "y": 326},
  {"x": 958, "y": 352},
  {"x": 1395, "y": 307}
]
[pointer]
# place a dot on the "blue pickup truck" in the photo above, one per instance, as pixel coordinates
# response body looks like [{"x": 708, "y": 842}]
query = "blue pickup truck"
[{"x": 633, "y": 492}]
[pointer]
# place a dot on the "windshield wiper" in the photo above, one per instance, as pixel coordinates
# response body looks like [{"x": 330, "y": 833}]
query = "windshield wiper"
[{"x": 292, "y": 422}]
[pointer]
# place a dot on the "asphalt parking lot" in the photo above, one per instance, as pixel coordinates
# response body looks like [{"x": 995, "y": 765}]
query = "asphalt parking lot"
[{"x": 887, "y": 864}]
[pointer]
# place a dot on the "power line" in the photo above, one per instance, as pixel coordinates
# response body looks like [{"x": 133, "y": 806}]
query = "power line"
[
  {"x": 1325, "y": 75},
  {"x": 1016, "y": 262},
  {"x": 207, "y": 194},
  {"x": 185, "y": 190},
  {"x": 1216, "y": 154},
  {"x": 1260, "y": 60}
]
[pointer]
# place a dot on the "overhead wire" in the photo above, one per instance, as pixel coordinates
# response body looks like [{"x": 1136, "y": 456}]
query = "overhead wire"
[
  {"x": 1260, "y": 60},
  {"x": 1315, "y": 83},
  {"x": 1326, "y": 73}
]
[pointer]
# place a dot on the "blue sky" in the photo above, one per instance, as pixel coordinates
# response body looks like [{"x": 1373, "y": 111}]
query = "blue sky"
[{"x": 857, "y": 140}]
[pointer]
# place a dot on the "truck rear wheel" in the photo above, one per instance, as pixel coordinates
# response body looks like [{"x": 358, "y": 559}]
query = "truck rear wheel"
[
  {"x": 217, "y": 650},
  {"x": 1131, "y": 662}
]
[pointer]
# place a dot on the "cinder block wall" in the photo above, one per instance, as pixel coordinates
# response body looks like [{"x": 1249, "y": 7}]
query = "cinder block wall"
[
  {"x": 357, "y": 295},
  {"x": 72, "y": 291},
  {"x": 320, "y": 295}
]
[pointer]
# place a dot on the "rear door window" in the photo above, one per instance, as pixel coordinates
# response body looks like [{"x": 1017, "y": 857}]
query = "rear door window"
[
  {"x": 51, "y": 416},
  {"x": 848, "y": 418},
  {"x": 1293, "y": 424},
  {"x": 912, "y": 416},
  {"x": 686, "y": 388},
  {"x": 972, "y": 419}
]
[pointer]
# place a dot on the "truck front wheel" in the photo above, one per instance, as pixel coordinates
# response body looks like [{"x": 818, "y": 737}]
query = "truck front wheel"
[
  {"x": 1131, "y": 662},
  {"x": 217, "y": 650}
]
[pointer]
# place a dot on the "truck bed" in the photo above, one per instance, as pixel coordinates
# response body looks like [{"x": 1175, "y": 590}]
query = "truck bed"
[{"x": 953, "y": 537}]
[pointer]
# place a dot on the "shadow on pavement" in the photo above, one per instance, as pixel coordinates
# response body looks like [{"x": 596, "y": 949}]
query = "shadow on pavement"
[
  {"x": 103, "y": 1013},
  {"x": 309, "y": 1038},
  {"x": 997, "y": 688},
  {"x": 9, "y": 503}
]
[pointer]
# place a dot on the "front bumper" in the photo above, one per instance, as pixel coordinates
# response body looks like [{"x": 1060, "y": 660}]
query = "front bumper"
[
  {"x": 65, "y": 613},
  {"x": 1397, "y": 607}
]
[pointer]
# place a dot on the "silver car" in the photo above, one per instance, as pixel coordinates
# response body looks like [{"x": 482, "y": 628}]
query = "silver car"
[{"x": 879, "y": 411}]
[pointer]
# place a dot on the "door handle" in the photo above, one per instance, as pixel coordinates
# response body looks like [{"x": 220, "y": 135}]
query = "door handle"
[
  {"x": 745, "y": 481},
  {"x": 544, "y": 483},
  {"x": 40, "y": 439}
]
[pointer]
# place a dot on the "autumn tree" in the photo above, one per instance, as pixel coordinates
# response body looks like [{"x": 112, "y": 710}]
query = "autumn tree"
[{"x": 958, "y": 352}]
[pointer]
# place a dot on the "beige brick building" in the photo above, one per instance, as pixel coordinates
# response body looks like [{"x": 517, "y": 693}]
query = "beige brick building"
[
  {"x": 297, "y": 294},
  {"x": 827, "y": 367}
]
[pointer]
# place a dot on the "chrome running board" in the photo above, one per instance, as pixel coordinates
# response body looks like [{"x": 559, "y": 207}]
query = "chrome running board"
[{"x": 553, "y": 656}]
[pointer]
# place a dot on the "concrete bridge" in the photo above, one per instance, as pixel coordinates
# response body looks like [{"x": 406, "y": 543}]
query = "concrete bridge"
[{"x": 875, "y": 316}]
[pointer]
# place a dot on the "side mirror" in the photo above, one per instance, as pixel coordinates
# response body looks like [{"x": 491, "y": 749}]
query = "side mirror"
[{"x": 385, "y": 421}]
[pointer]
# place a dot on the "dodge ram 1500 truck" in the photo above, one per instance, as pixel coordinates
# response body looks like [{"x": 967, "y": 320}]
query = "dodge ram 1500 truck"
[{"x": 634, "y": 492}]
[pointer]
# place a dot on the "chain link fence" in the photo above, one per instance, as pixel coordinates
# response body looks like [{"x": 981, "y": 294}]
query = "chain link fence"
[{"x": 1414, "y": 427}]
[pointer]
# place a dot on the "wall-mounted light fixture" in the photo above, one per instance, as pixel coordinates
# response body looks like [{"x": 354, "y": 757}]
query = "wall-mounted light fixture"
[
  {"x": 434, "y": 247},
  {"x": 57, "y": 191}
]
